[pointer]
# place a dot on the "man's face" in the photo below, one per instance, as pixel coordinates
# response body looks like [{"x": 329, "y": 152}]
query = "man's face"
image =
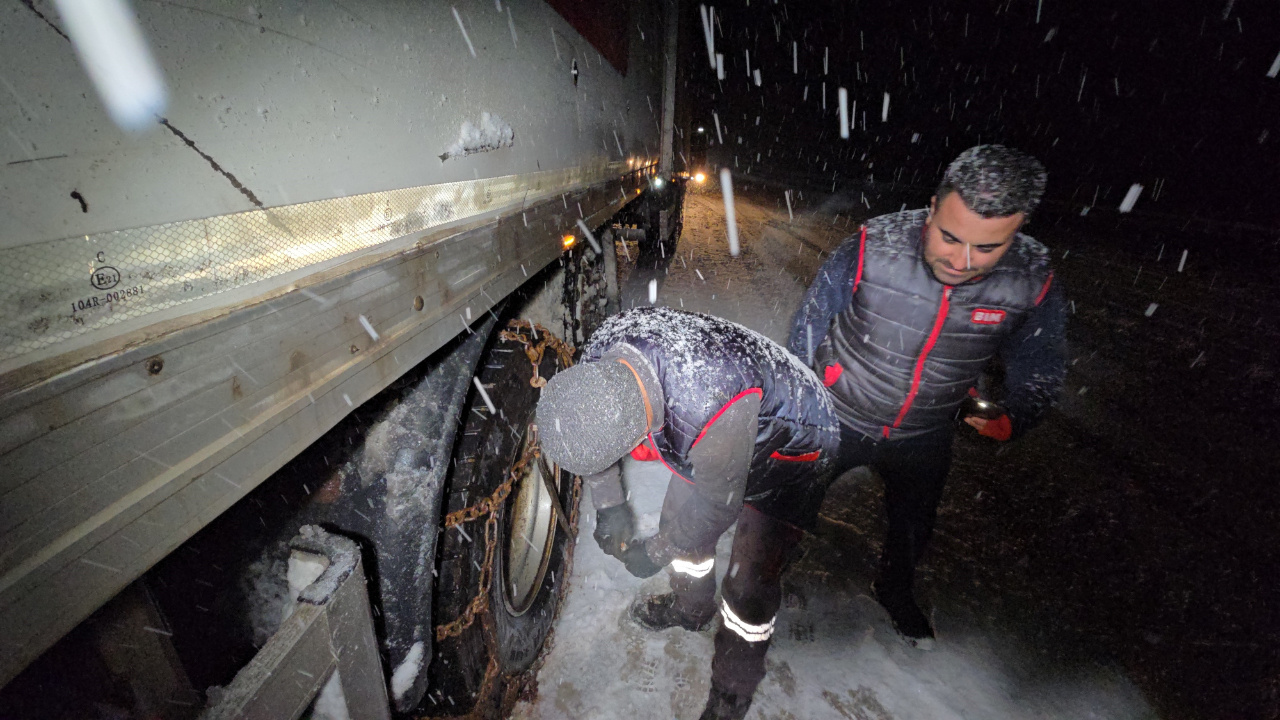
[{"x": 960, "y": 244}]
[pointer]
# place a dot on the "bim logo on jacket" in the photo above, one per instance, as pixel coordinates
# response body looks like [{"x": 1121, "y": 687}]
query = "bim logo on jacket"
[{"x": 983, "y": 316}]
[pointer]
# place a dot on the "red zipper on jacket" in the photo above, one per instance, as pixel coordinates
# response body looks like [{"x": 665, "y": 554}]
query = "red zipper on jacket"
[{"x": 938, "y": 322}]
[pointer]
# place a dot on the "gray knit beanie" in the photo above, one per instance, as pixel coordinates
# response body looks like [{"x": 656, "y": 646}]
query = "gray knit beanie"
[{"x": 590, "y": 415}]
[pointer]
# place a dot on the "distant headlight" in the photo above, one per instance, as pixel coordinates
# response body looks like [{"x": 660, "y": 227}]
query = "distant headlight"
[{"x": 700, "y": 177}]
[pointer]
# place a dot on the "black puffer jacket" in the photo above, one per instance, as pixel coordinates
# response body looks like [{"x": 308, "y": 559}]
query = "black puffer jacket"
[
  {"x": 900, "y": 349},
  {"x": 704, "y": 364}
]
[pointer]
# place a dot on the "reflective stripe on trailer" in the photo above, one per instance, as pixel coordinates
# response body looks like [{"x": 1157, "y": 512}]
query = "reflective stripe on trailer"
[
  {"x": 693, "y": 569},
  {"x": 745, "y": 630}
]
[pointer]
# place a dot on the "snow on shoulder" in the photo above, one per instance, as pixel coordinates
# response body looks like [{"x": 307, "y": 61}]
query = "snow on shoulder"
[{"x": 688, "y": 335}]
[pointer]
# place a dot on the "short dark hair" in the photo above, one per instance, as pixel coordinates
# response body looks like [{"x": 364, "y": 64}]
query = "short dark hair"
[{"x": 995, "y": 181}]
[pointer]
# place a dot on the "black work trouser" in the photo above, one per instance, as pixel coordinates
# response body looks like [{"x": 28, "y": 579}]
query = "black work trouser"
[
  {"x": 750, "y": 595},
  {"x": 914, "y": 471}
]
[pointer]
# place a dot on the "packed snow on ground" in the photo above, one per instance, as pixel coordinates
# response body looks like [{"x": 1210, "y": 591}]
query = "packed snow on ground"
[{"x": 834, "y": 654}]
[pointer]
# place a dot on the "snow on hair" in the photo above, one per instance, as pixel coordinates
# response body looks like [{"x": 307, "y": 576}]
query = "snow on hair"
[{"x": 995, "y": 181}]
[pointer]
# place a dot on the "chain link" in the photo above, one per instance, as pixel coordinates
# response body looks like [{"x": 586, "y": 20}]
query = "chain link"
[
  {"x": 523, "y": 332},
  {"x": 535, "y": 352},
  {"x": 480, "y": 602}
]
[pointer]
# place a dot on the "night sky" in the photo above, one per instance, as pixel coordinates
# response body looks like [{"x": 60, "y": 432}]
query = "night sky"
[{"x": 1172, "y": 95}]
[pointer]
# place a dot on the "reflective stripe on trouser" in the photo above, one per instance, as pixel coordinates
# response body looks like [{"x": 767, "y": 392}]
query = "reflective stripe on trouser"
[
  {"x": 752, "y": 594},
  {"x": 695, "y": 591},
  {"x": 745, "y": 630},
  {"x": 694, "y": 568}
]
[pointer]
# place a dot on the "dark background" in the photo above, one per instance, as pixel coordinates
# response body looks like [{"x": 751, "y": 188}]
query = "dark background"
[{"x": 1192, "y": 119}]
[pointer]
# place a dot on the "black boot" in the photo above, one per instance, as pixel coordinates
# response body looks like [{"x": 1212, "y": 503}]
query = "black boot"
[
  {"x": 908, "y": 619},
  {"x": 658, "y": 612},
  {"x": 723, "y": 705}
]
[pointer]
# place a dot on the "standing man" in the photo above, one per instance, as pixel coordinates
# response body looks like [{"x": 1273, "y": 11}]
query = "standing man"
[
  {"x": 748, "y": 433},
  {"x": 900, "y": 322}
]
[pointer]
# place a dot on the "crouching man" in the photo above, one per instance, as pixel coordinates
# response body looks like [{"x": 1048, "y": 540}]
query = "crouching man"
[{"x": 749, "y": 434}]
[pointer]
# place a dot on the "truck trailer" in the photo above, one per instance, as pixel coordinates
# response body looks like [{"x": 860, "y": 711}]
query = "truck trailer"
[{"x": 377, "y": 225}]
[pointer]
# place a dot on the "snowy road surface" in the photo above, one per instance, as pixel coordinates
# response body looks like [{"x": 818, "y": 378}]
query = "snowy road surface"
[{"x": 834, "y": 655}]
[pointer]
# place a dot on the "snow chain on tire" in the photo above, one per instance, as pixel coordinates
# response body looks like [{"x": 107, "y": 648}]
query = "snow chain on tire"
[
  {"x": 535, "y": 352},
  {"x": 536, "y": 340}
]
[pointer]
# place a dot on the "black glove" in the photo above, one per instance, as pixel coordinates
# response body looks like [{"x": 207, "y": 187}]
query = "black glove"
[
  {"x": 614, "y": 528},
  {"x": 637, "y": 560}
]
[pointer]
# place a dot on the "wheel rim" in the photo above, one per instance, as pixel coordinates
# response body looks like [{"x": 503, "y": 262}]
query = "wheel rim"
[{"x": 531, "y": 532}]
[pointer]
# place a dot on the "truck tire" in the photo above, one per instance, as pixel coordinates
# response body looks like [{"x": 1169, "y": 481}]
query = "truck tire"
[{"x": 530, "y": 549}]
